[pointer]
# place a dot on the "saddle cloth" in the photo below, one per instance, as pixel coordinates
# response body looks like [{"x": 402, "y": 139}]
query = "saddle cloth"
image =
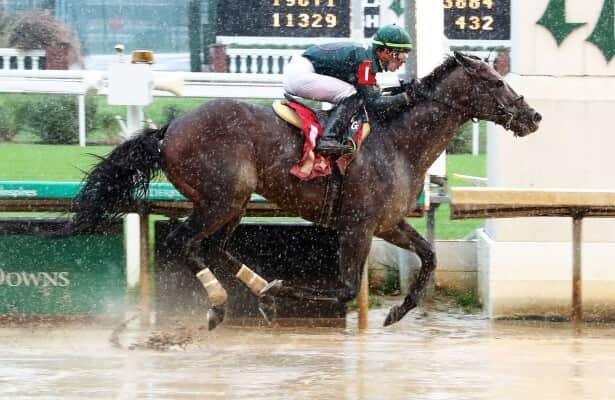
[{"x": 313, "y": 165}]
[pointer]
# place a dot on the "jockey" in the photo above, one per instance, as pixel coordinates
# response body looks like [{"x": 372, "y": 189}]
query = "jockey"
[{"x": 345, "y": 74}]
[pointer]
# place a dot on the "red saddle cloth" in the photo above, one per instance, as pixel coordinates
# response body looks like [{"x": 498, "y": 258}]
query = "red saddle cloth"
[{"x": 313, "y": 165}]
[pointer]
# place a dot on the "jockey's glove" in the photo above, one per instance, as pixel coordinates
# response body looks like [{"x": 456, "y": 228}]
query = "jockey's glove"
[
  {"x": 386, "y": 106},
  {"x": 412, "y": 90}
]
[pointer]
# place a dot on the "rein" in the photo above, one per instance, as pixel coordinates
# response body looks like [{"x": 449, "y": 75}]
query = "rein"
[
  {"x": 442, "y": 102},
  {"x": 501, "y": 108}
]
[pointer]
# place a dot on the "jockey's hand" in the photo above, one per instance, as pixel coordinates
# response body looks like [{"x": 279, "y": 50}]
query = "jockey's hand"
[
  {"x": 393, "y": 90},
  {"x": 413, "y": 90}
]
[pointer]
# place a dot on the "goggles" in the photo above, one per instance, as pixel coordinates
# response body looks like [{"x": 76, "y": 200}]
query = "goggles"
[{"x": 401, "y": 56}]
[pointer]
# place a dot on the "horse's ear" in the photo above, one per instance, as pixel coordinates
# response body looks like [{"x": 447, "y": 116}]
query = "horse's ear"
[
  {"x": 466, "y": 62},
  {"x": 459, "y": 56}
]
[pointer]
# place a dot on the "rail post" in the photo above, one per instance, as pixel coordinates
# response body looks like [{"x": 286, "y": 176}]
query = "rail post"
[
  {"x": 144, "y": 277},
  {"x": 363, "y": 299},
  {"x": 577, "y": 282}
]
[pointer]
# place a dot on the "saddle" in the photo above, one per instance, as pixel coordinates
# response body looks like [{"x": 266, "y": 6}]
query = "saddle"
[
  {"x": 288, "y": 111},
  {"x": 310, "y": 121}
]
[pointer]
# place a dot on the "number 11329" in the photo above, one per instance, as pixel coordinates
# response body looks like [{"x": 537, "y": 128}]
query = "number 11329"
[{"x": 304, "y": 20}]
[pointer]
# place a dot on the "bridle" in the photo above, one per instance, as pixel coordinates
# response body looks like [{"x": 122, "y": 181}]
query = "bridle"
[{"x": 501, "y": 110}]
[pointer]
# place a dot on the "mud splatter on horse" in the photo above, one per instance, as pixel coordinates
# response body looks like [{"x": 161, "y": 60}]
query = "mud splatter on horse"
[{"x": 222, "y": 152}]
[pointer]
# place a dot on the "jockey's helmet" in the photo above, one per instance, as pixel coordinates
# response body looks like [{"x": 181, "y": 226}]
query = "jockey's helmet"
[{"x": 392, "y": 37}]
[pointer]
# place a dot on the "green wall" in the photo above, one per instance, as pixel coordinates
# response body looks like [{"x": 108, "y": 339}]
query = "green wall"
[{"x": 77, "y": 275}]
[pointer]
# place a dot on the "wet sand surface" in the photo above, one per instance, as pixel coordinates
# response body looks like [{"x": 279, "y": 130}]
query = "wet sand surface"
[{"x": 434, "y": 353}]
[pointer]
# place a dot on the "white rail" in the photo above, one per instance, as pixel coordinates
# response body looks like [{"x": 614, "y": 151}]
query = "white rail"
[
  {"x": 196, "y": 84},
  {"x": 21, "y": 57},
  {"x": 199, "y": 85},
  {"x": 260, "y": 61}
]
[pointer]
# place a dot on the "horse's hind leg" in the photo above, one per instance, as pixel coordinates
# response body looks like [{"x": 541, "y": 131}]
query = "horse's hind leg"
[
  {"x": 354, "y": 245},
  {"x": 192, "y": 229},
  {"x": 216, "y": 252},
  {"x": 210, "y": 245},
  {"x": 217, "y": 295}
]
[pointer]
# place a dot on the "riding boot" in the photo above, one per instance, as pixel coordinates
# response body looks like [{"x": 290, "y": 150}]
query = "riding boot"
[{"x": 329, "y": 143}]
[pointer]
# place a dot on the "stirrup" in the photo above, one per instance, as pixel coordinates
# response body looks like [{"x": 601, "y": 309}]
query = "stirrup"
[
  {"x": 330, "y": 146},
  {"x": 350, "y": 144}
]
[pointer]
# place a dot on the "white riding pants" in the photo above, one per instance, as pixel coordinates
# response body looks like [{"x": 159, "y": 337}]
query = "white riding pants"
[{"x": 301, "y": 80}]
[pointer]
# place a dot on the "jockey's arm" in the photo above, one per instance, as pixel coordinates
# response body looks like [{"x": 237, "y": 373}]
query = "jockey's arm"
[{"x": 384, "y": 106}]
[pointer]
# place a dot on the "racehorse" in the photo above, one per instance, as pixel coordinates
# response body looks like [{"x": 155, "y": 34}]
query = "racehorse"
[{"x": 220, "y": 153}]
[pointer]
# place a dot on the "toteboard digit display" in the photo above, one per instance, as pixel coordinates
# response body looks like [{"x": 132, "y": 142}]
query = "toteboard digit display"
[
  {"x": 284, "y": 18},
  {"x": 477, "y": 19}
]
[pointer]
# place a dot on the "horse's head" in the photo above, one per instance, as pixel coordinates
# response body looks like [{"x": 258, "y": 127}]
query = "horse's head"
[{"x": 492, "y": 99}]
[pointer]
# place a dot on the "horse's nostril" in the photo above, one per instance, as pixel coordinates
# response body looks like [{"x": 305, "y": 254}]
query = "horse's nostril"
[{"x": 537, "y": 117}]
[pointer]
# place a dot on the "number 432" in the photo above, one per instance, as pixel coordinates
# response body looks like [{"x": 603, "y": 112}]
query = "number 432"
[{"x": 475, "y": 23}]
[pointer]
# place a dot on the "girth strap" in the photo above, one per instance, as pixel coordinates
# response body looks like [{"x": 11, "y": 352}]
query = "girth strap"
[{"x": 332, "y": 200}]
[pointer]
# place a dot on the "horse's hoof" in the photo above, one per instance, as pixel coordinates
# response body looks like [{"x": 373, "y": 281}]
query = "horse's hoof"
[
  {"x": 215, "y": 316},
  {"x": 272, "y": 288},
  {"x": 267, "y": 308},
  {"x": 395, "y": 314}
]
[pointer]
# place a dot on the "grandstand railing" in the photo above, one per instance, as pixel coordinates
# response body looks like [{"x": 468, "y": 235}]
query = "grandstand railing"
[{"x": 16, "y": 59}]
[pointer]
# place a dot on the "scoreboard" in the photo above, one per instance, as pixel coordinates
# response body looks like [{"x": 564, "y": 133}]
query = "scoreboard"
[
  {"x": 477, "y": 19},
  {"x": 285, "y": 18},
  {"x": 463, "y": 19}
]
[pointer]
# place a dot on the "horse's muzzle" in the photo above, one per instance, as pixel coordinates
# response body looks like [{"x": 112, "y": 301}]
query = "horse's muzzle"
[
  {"x": 535, "y": 116},
  {"x": 528, "y": 122}
]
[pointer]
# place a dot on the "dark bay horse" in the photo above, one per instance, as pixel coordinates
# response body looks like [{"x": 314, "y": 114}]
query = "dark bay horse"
[{"x": 222, "y": 152}]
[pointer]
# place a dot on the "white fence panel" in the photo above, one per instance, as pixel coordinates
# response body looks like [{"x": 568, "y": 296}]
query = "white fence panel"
[
  {"x": 195, "y": 84},
  {"x": 21, "y": 59},
  {"x": 260, "y": 61}
]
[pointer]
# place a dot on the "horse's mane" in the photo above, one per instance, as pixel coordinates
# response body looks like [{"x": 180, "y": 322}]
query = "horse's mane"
[{"x": 428, "y": 82}]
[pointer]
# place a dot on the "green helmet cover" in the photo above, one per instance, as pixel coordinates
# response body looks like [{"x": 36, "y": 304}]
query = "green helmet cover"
[{"x": 393, "y": 37}]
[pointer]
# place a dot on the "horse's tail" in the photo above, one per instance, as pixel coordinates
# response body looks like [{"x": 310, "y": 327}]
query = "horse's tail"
[{"x": 116, "y": 182}]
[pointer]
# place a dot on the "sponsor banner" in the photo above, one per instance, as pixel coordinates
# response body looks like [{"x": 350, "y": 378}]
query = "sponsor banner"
[
  {"x": 34, "y": 279},
  {"x": 79, "y": 275}
]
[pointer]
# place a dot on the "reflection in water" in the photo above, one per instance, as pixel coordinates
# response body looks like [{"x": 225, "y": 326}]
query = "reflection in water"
[
  {"x": 435, "y": 355},
  {"x": 576, "y": 373}
]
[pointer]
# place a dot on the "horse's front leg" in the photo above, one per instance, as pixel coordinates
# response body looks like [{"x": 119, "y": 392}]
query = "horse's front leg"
[
  {"x": 353, "y": 247},
  {"x": 406, "y": 237}
]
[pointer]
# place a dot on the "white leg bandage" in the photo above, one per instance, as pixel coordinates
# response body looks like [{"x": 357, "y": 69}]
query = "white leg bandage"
[
  {"x": 215, "y": 291},
  {"x": 251, "y": 279}
]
